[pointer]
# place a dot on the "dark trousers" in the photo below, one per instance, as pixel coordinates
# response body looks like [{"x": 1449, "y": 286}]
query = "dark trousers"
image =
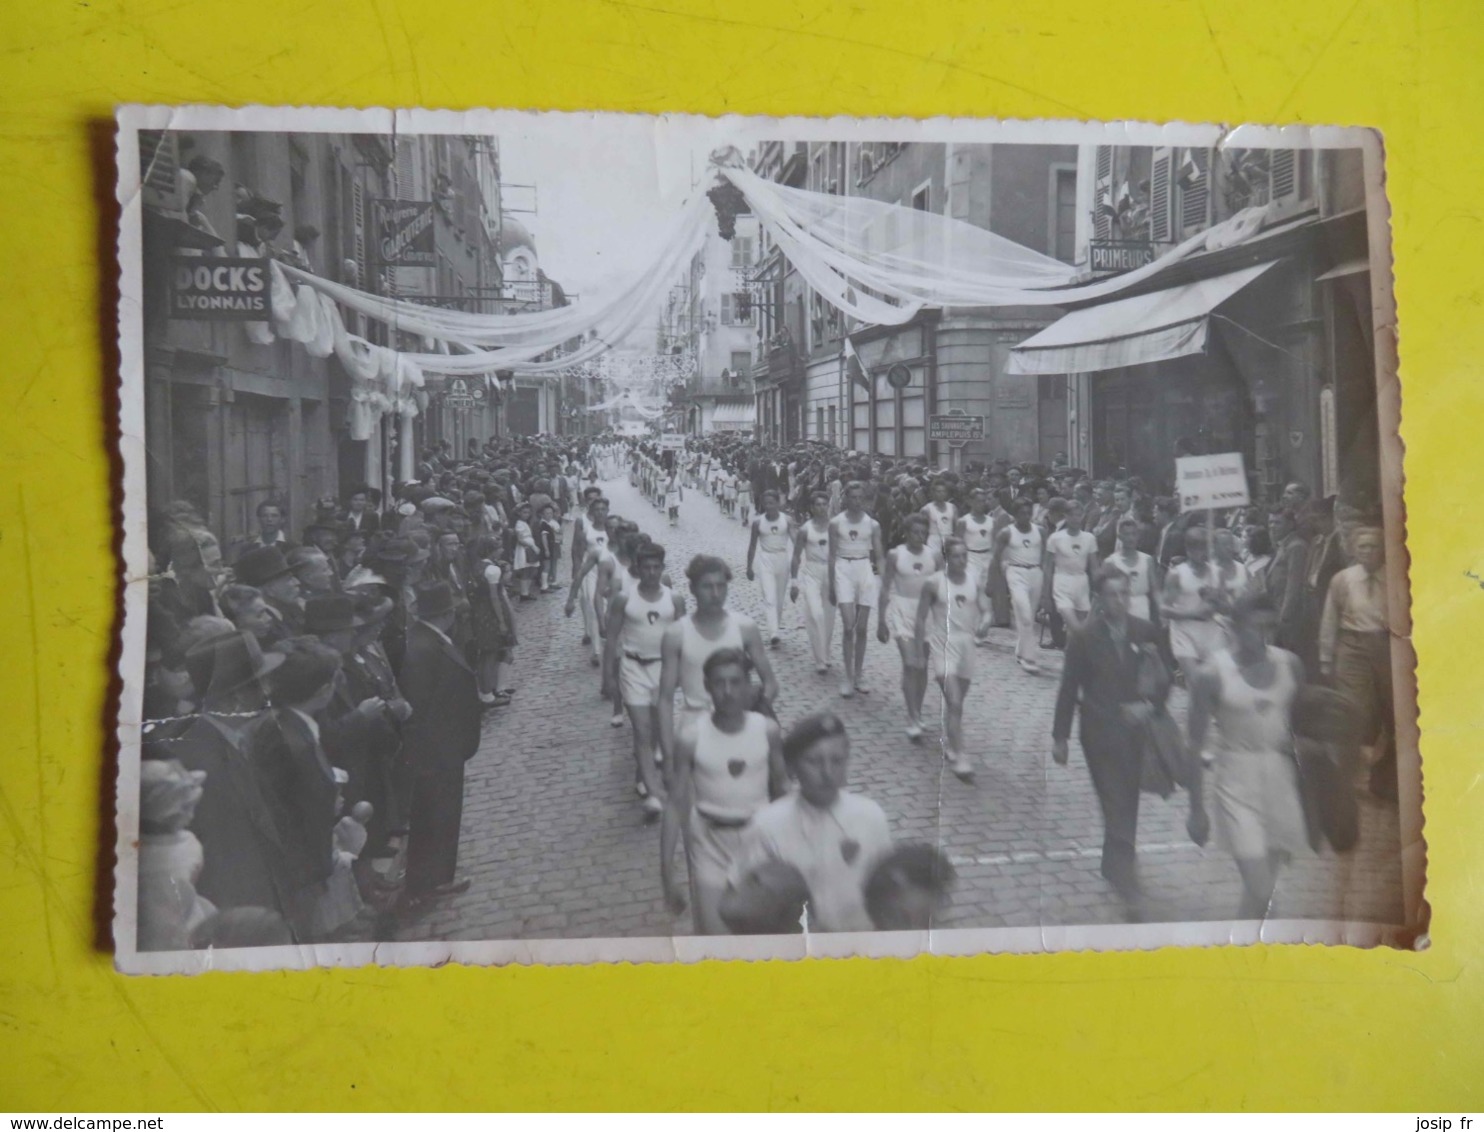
[
  {"x": 433, "y": 833},
  {"x": 1363, "y": 674},
  {"x": 1114, "y": 761}
]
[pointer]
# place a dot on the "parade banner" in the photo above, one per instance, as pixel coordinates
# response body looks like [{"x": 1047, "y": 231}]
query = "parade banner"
[
  {"x": 404, "y": 233},
  {"x": 1208, "y": 482},
  {"x": 219, "y": 288}
]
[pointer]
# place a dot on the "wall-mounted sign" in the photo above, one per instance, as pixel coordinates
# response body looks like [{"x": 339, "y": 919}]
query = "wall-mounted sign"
[
  {"x": 899, "y": 376},
  {"x": 955, "y": 428},
  {"x": 458, "y": 395},
  {"x": 219, "y": 288},
  {"x": 1206, "y": 482},
  {"x": 1112, "y": 256},
  {"x": 404, "y": 233}
]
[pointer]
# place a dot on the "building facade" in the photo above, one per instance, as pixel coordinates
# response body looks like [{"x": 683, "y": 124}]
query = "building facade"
[
  {"x": 711, "y": 314},
  {"x": 1264, "y": 343},
  {"x": 958, "y": 360}
]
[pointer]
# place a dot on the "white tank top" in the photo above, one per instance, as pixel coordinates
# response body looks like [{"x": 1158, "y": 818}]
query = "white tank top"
[
  {"x": 1138, "y": 574},
  {"x": 957, "y": 606},
  {"x": 978, "y": 537},
  {"x": 644, "y": 622},
  {"x": 1069, "y": 552},
  {"x": 912, "y": 571},
  {"x": 941, "y": 521},
  {"x": 772, "y": 534},
  {"x": 1253, "y": 720},
  {"x": 622, "y": 581},
  {"x": 730, "y": 773},
  {"x": 694, "y": 652},
  {"x": 596, "y": 536},
  {"x": 1189, "y": 584},
  {"x": 1023, "y": 547},
  {"x": 853, "y": 537},
  {"x": 816, "y": 543}
]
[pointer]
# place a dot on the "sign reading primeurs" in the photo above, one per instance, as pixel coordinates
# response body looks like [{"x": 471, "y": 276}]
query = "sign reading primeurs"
[
  {"x": 219, "y": 288},
  {"x": 1209, "y": 482}
]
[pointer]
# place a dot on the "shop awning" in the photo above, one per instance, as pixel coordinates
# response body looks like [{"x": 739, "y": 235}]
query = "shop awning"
[
  {"x": 1133, "y": 331},
  {"x": 735, "y": 415}
]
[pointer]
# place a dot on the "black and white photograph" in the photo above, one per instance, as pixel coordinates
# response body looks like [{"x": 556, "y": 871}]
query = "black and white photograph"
[{"x": 556, "y": 538}]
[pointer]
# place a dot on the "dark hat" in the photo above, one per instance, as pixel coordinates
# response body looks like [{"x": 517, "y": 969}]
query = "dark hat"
[
  {"x": 315, "y": 528},
  {"x": 434, "y": 600},
  {"x": 261, "y": 565},
  {"x": 306, "y": 669},
  {"x": 223, "y": 663},
  {"x": 330, "y": 613}
]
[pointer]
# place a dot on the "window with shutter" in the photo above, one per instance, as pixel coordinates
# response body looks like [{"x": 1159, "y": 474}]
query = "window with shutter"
[
  {"x": 1102, "y": 197},
  {"x": 1284, "y": 169},
  {"x": 1194, "y": 179},
  {"x": 727, "y": 314},
  {"x": 1159, "y": 196},
  {"x": 358, "y": 225}
]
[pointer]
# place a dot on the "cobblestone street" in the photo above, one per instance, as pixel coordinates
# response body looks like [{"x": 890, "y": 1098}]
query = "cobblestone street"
[{"x": 556, "y": 845}]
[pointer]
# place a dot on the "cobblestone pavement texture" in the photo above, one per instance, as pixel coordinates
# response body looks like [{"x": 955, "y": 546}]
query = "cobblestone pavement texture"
[{"x": 556, "y": 845}]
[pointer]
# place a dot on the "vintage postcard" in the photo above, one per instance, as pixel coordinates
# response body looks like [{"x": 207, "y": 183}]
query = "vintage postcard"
[{"x": 563, "y": 538}]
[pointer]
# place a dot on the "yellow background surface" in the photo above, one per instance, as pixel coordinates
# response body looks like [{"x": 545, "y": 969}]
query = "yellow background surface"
[{"x": 1226, "y": 1028}]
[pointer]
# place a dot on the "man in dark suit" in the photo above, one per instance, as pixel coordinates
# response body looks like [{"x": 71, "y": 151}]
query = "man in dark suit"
[
  {"x": 359, "y": 515},
  {"x": 1101, "y": 673},
  {"x": 298, "y": 780},
  {"x": 1171, "y": 541},
  {"x": 441, "y": 734},
  {"x": 244, "y": 860}
]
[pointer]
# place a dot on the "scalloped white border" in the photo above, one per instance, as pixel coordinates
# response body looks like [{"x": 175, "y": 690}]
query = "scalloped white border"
[{"x": 699, "y": 131}]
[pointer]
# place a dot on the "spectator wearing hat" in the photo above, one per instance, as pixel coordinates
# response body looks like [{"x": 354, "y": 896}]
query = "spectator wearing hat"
[
  {"x": 362, "y": 723},
  {"x": 439, "y": 737},
  {"x": 298, "y": 781},
  {"x": 266, "y": 568},
  {"x": 244, "y": 863}
]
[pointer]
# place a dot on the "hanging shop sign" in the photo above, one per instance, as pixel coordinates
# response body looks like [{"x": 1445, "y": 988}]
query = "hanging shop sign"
[
  {"x": 459, "y": 395},
  {"x": 1207, "y": 482},
  {"x": 1110, "y": 257},
  {"x": 219, "y": 288},
  {"x": 955, "y": 428},
  {"x": 404, "y": 233}
]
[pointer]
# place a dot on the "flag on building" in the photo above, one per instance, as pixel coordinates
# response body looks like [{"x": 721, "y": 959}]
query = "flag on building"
[{"x": 854, "y": 368}]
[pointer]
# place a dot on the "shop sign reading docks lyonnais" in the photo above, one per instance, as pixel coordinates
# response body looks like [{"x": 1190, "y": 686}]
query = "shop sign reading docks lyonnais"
[{"x": 219, "y": 287}]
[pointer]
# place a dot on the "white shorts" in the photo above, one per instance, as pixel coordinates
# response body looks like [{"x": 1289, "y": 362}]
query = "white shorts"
[
  {"x": 1071, "y": 591},
  {"x": 855, "y": 583},
  {"x": 639, "y": 683},
  {"x": 978, "y": 566},
  {"x": 901, "y": 617},
  {"x": 953, "y": 657}
]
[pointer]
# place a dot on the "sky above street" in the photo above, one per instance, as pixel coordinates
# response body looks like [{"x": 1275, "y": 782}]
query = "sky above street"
[{"x": 604, "y": 194}]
